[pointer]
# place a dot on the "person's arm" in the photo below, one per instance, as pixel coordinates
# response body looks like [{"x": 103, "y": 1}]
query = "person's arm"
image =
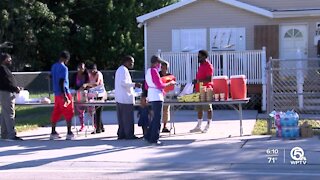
[
  {"x": 126, "y": 79},
  {"x": 61, "y": 85},
  {"x": 9, "y": 82},
  {"x": 157, "y": 80},
  {"x": 62, "y": 89}
]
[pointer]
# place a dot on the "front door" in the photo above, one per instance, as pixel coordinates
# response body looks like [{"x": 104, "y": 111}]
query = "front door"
[
  {"x": 293, "y": 48},
  {"x": 293, "y": 42}
]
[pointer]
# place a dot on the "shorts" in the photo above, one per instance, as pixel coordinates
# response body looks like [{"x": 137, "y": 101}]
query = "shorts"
[
  {"x": 203, "y": 107},
  {"x": 59, "y": 109}
]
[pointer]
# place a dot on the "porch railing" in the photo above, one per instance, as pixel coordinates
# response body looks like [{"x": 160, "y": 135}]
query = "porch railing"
[{"x": 251, "y": 63}]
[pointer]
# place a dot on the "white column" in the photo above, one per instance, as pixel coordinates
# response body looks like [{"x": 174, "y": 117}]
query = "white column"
[
  {"x": 188, "y": 68},
  {"x": 145, "y": 48},
  {"x": 264, "y": 79},
  {"x": 300, "y": 78},
  {"x": 224, "y": 64}
]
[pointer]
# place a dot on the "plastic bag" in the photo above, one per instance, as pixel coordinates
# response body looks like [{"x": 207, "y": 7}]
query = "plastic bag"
[
  {"x": 98, "y": 91},
  {"x": 188, "y": 89}
]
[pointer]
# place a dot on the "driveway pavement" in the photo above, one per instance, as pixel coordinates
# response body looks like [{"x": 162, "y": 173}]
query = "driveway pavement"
[{"x": 218, "y": 154}]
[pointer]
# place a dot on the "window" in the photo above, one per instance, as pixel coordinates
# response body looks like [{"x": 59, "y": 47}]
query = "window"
[
  {"x": 293, "y": 33},
  {"x": 188, "y": 40},
  {"x": 227, "y": 39}
]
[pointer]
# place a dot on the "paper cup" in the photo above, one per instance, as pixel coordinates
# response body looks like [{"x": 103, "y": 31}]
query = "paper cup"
[
  {"x": 221, "y": 96},
  {"x": 216, "y": 97}
]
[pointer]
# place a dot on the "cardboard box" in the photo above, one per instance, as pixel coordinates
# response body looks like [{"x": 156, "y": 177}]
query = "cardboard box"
[{"x": 306, "y": 130}]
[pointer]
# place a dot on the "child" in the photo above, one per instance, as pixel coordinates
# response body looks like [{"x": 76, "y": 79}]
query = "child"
[
  {"x": 166, "y": 108},
  {"x": 144, "y": 114}
]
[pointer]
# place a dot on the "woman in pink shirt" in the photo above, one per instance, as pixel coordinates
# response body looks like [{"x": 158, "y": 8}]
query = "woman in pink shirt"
[{"x": 156, "y": 97}]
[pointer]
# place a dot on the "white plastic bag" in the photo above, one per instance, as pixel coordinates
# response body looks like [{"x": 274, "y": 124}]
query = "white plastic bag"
[
  {"x": 98, "y": 91},
  {"x": 188, "y": 89},
  {"x": 22, "y": 97}
]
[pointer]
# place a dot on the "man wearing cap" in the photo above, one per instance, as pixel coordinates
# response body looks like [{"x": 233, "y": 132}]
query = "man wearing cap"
[
  {"x": 8, "y": 87},
  {"x": 63, "y": 103},
  {"x": 156, "y": 97},
  {"x": 204, "y": 76},
  {"x": 124, "y": 96}
]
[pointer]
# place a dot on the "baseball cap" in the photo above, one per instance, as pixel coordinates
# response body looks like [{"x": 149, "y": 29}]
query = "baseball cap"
[{"x": 155, "y": 59}]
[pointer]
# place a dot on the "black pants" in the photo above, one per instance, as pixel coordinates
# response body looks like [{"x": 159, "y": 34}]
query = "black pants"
[
  {"x": 125, "y": 116},
  {"x": 97, "y": 119}
]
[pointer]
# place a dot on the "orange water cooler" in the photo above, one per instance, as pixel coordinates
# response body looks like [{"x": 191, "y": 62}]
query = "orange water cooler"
[
  {"x": 238, "y": 87},
  {"x": 220, "y": 85},
  {"x": 166, "y": 79}
]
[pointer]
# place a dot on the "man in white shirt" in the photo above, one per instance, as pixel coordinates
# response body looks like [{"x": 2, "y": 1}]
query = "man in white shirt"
[{"x": 124, "y": 96}]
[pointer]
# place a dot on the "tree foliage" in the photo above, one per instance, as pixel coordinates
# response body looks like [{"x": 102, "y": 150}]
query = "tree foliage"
[{"x": 101, "y": 31}]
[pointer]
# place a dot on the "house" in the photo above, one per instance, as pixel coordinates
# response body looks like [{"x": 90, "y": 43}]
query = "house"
[{"x": 289, "y": 29}]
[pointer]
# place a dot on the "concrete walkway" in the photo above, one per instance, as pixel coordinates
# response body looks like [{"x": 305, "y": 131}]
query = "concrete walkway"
[{"x": 218, "y": 154}]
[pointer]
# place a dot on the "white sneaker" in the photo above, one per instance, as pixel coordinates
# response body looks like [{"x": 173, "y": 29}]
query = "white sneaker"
[
  {"x": 70, "y": 136},
  {"x": 54, "y": 136},
  {"x": 206, "y": 128},
  {"x": 196, "y": 129}
]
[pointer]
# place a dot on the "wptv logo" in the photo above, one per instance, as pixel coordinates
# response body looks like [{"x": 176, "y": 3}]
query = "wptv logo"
[{"x": 297, "y": 156}]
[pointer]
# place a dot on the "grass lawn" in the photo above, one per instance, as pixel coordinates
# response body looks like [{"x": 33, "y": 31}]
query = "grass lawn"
[
  {"x": 28, "y": 118},
  {"x": 260, "y": 128}
]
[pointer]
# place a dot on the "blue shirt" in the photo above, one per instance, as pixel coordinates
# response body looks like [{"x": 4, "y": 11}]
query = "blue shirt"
[{"x": 59, "y": 71}]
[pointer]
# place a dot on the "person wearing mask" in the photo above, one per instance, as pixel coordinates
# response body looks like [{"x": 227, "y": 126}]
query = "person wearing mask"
[
  {"x": 8, "y": 87},
  {"x": 79, "y": 82},
  {"x": 155, "y": 88},
  {"x": 125, "y": 100},
  {"x": 63, "y": 103}
]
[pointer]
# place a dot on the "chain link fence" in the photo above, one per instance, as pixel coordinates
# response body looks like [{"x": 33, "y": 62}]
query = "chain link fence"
[{"x": 294, "y": 85}]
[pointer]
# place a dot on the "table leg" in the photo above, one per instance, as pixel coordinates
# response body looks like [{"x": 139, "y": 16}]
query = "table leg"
[
  {"x": 239, "y": 110},
  {"x": 240, "y": 114},
  {"x": 172, "y": 120}
]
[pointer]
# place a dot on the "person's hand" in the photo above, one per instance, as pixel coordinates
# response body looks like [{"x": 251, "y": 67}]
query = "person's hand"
[
  {"x": 18, "y": 89},
  {"x": 194, "y": 81},
  {"x": 67, "y": 101},
  {"x": 170, "y": 83},
  {"x": 138, "y": 85},
  {"x": 84, "y": 86},
  {"x": 173, "y": 82}
]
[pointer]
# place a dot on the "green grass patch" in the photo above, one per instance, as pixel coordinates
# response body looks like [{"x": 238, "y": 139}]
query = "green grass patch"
[
  {"x": 28, "y": 118},
  {"x": 261, "y": 127}
]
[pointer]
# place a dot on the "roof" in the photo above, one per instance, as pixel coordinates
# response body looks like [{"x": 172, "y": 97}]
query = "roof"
[{"x": 269, "y": 12}]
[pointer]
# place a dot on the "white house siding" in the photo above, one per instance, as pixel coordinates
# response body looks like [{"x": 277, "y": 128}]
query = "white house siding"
[
  {"x": 283, "y": 4},
  {"x": 201, "y": 14},
  {"x": 212, "y": 14}
]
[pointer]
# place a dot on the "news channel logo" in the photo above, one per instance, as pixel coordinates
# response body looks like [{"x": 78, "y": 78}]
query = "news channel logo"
[{"x": 297, "y": 156}]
